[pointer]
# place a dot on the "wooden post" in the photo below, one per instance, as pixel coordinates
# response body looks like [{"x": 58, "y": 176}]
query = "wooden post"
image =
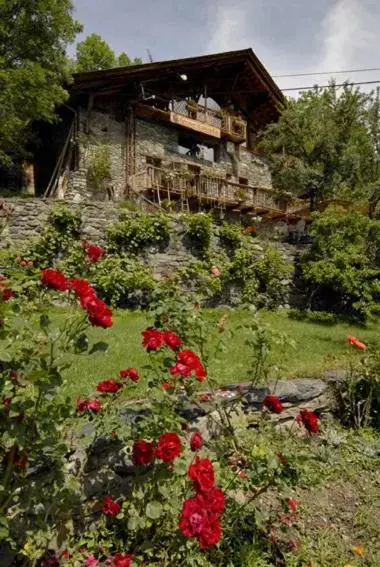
[{"x": 28, "y": 178}]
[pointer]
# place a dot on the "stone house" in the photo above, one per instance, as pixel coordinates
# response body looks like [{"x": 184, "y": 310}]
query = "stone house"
[{"x": 182, "y": 134}]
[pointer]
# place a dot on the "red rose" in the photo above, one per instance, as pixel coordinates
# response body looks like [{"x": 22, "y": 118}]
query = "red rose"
[
  {"x": 187, "y": 363},
  {"x": 94, "y": 253},
  {"x": 309, "y": 420},
  {"x": 196, "y": 441},
  {"x": 210, "y": 535},
  {"x": 167, "y": 385},
  {"x": 54, "y": 279},
  {"x": 110, "y": 507},
  {"x": 7, "y": 294},
  {"x": 153, "y": 339},
  {"x": 130, "y": 373},
  {"x": 143, "y": 452},
  {"x": 99, "y": 314},
  {"x": 122, "y": 560},
  {"x": 109, "y": 386},
  {"x": 194, "y": 518},
  {"x": 82, "y": 289},
  {"x": 89, "y": 405},
  {"x": 168, "y": 447},
  {"x": 172, "y": 340},
  {"x": 273, "y": 404},
  {"x": 213, "y": 501},
  {"x": 179, "y": 369},
  {"x": 201, "y": 472}
]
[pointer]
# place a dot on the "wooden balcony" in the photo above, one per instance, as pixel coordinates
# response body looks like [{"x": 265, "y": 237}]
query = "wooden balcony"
[
  {"x": 214, "y": 124},
  {"x": 167, "y": 184}
]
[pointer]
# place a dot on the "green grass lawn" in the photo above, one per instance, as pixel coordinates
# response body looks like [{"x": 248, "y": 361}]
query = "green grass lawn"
[{"x": 317, "y": 348}]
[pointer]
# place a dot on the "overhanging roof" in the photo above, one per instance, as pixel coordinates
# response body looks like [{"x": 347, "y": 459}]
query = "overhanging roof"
[{"x": 235, "y": 76}]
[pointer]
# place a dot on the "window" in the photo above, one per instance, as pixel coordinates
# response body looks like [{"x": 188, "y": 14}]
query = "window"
[{"x": 156, "y": 162}]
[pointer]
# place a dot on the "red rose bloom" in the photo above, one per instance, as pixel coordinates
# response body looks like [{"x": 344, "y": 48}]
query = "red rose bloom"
[
  {"x": 167, "y": 385},
  {"x": 172, "y": 340},
  {"x": 82, "y": 289},
  {"x": 7, "y": 294},
  {"x": 153, "y": 339},
  {"x": 187, "y": 363},
  {"x": 168, "y": 447},
  {"x": 196, "y": 441},
  {"x": 210, "y": 535},
  {"x": 110, "y": 507},
  {"x": 94, "y": 253},
  {"x": 53, "y": 279},
  {"x": 309, "y": 420},
  {"x": 99, "y": 314},
  {"x": 122, "y": 560},
  {"x": 273, "y": 404},
  {"x": 213, "y": 501},
  {"x": 143, "y": 452},
  {"x": 130, "y": 373},
  {"x": 89, "y": 405},
  {"x": 109, "y": 386},
  {"x": 194, "y": 517},
  {"x": 293, "y": 504},
  {"x": 201, "y": 472}
]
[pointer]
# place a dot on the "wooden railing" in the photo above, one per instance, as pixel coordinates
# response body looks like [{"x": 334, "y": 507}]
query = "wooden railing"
[
  {"x": 223, "y": 123},
  {"x": 206, "y": 188}
]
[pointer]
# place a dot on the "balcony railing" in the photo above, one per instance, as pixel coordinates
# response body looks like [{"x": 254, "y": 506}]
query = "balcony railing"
[
  {"x": 198, "y": 117},
  {"x": 206, "y": 188}
]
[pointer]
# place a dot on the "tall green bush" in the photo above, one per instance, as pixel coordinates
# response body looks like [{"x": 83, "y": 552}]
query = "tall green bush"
[
  {"x": 132, "y": 234},
  {"x": 342, "y": 265}
]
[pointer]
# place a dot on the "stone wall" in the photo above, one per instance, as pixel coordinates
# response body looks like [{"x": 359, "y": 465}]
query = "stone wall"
[
  {"x": 160, "y": 141},
  {"x": 29, "y": 216}
]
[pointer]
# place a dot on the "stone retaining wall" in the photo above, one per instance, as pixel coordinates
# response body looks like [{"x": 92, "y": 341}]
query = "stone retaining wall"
[{"x": 29, "y": 216}]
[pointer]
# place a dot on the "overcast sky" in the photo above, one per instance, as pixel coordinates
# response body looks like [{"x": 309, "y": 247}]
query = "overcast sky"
[{"x": 288, "y": 36}]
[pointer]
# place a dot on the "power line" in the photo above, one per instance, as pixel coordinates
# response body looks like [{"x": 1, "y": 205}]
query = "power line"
[
  {"x": 332, "y": 86},
  {"x": 327, "y": 73}
]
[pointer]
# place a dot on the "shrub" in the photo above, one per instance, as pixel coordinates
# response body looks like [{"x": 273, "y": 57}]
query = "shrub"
[
  {"x": 231, "y": 235},
  {"x": 99, "y": 167},
  {"x": 272, "y": 273},
  {"x": 61, "y": 230},
  {"x": 342, "y": 266},
  {"x": 122, "y": 281},
  {"x": 199, "y": 229},
  {"x": 358, "y": 393},
  {"x": 135, "y": 233}
]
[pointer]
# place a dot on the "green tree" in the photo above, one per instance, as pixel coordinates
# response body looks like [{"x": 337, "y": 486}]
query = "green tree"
[
  {"x": 123, "y": 60},
  {"x": 94, "y": 54},
  {"x": 328, "y": 138},
  {"x": 33, "y": 67}
]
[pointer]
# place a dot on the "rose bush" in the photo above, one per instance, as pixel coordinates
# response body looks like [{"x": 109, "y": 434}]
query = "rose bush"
[{"x": 181, "y": 506}]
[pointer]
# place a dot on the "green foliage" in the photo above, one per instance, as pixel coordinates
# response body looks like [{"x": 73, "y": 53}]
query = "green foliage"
[
  {"x": 231, "y": 235},
  {"x": 94, "y": 54},
  {"x": 342, "y": 265},
  {"x": 124, "y": 61},
  {"x": 135, "y": 233},
  {"x": 272, "y": 273},
  {"x": 358, "y": 393},
  {"x": 33, "y": 67},
  {"x": 326, "y": 138},
  {"x": 57, "y": 238},
  {"x": 123, "y": 281},
  {"x": 99, "y": 167},
  {"x": 200, "y": 230},
  {"x": 322, "y": 317},
  {"x": 35, "y": 493}
]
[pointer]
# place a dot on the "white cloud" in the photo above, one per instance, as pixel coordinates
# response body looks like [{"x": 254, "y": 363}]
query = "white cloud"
[
  {"x": 349, "y": 35},
  {"x": 228, "y": 25}
]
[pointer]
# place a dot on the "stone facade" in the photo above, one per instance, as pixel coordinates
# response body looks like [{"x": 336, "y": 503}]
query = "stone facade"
[{"x": 157, "y": 141}]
